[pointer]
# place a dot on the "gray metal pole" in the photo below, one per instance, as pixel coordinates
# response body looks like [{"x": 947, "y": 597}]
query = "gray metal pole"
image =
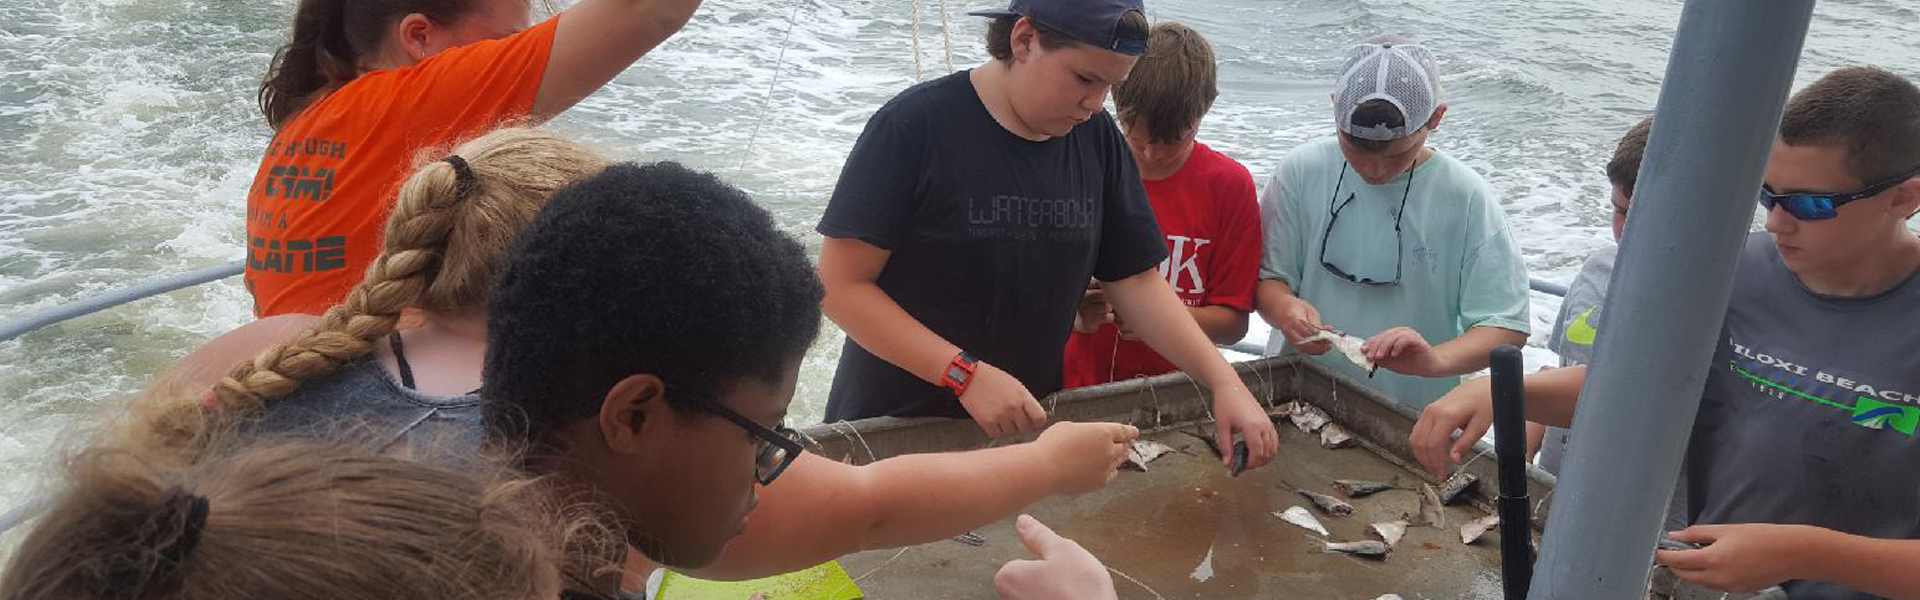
[
  {"x": 1727, "y": 81},
  {"x": 13, "y": 328}
]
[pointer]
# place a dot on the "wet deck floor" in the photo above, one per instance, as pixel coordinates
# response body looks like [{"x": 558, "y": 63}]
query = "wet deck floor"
[{"x": 1158, "y": 526}]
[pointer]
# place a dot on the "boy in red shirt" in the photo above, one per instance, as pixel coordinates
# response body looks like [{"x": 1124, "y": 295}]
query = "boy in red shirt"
[{"x": 1204, "y": 201}]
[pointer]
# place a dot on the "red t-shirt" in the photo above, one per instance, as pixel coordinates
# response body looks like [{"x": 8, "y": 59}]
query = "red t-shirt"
[
  {"x": 319, "y": 200},
  {"x": 1211, "y": 219}
]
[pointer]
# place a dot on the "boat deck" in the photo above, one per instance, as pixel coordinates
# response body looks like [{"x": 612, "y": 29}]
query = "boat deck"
[{"x": 1158, "y": 527}]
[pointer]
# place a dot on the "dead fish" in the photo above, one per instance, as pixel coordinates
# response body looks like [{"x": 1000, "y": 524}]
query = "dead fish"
[
  {"x": 1370, "y": 548},
  {"x": 1478, "y": 527},
  {"x": 1430, "y": 507},
  {"x": 1355, "y": 488},
  {"x": 1389, "y": 532},
  {"x": 1239, "y": 463},
  {"x": 1457, "y": 486},
  {"x": 1211, "y": 445},
  {"x": 1299, "y": 516},
  {"x": 1309, "y": 418},
  {"x": 1144, "y": 451},
  {"x": 1348, "y": 345},
  {"x": 1332, "y": 437},
  {"x": 1389, "y": 597},
  {"x": 1329, "y": 504}
]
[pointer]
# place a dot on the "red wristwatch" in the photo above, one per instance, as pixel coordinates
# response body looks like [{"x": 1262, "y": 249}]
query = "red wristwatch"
[{"x": 959, "y": 373}]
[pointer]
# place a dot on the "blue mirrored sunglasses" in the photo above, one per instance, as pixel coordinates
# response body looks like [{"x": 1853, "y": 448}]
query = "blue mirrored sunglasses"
[{"x": 1820, "y": 207}]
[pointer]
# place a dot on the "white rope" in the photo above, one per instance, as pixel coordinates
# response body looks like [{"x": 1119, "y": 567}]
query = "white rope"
[
  {"x": 916, "y": 40},
  {"x": 946, "y": 35},
  {"x": 1137, "y": 582},
  {"x": 871, "y": 457},
  {"x": 778, "y": 65}
]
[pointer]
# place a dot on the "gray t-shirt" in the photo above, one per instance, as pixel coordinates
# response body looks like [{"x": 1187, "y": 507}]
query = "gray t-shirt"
[
  {"x": 362, "y": 402},
  {"x": 1810, "y": 411},
  {"x": 1573, "y": 333}
]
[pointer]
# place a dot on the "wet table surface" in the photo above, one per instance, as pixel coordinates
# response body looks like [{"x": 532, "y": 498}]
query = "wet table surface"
[{"x": 1158, "y": 526}]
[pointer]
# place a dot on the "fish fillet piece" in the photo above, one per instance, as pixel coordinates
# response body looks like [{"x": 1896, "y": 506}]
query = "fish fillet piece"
[{"x": 1300, "y": 517}]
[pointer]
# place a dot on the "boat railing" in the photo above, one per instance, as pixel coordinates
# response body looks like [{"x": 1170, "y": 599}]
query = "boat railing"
[{"x": 17, "y": 326}]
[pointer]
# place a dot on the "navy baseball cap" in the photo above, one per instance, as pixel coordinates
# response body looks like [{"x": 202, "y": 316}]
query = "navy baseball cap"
[{"x": 1093, "y": 22}]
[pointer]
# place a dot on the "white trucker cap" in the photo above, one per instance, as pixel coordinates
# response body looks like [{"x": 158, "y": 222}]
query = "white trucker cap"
[{"x": 1402, "y": 74}]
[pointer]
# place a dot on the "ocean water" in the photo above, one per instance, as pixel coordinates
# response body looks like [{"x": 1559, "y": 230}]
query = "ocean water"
[{"x": 128, "y": 135}]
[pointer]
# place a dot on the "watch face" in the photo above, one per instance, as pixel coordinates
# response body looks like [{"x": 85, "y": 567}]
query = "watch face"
[{"x": 957, "y": 374}]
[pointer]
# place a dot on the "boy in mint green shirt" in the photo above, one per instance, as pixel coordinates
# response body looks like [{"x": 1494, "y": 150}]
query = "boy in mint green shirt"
[{"x": 1376, "y": 235}]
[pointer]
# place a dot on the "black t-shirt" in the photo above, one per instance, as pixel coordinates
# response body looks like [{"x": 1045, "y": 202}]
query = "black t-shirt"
[{"x": 993, "y": 238}]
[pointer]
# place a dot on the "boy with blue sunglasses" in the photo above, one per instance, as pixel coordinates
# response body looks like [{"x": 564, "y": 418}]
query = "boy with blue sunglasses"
[{"x": 1800, "y": 468}]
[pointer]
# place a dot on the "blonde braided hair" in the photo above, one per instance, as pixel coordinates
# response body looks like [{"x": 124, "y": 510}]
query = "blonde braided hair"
[{"x": 443, "y": 242}]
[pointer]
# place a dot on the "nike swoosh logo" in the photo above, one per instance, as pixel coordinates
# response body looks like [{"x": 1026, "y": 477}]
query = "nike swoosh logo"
[{"x": 1580, "y": 332}]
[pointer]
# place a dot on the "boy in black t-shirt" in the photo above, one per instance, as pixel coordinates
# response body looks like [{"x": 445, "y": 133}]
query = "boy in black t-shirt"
[{"x": 970, "y": 215}]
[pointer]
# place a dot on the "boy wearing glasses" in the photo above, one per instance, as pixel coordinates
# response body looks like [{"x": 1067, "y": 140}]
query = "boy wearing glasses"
[
  {"x": 1378, "y": 235},
  {"x": 1800, "y": 468}
]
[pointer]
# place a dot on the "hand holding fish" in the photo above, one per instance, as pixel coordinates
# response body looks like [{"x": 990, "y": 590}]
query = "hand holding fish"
[
  {"x": 1235, "y": 412},
  {"x": 1740, "y": 558},
  {"x": 1299, "y": 320},
  {"x": 1402, "y": 350},
  {"x": 1000, "y": 403},
  {"x": 1467, "y": 409},
  {"x": 1065, "y": 570},
  {"x": 1086, "y": 456}
]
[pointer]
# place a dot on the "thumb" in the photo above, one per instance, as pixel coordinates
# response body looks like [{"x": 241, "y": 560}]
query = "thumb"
[
  {"x": 1223, "y": 432},
  {"x": 1124, "y": 434},
  {"x": 1039, "y": 539}
]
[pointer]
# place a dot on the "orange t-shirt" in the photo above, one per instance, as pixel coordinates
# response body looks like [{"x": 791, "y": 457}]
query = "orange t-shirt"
[{"x": 319, "y": 202}]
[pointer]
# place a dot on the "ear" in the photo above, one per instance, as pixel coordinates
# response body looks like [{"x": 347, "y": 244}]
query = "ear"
[
  {"x": 1906, "y": 199},
  {"x": 1022, "y": 39},
  {"x": 412, "y": 33},
  {"x": 1433, "y": 122},
  {"x": 630, "y": 409}
]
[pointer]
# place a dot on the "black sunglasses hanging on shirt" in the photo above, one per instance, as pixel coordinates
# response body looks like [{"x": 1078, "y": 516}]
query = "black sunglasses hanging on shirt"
[{"x": 1335, "y": 209}]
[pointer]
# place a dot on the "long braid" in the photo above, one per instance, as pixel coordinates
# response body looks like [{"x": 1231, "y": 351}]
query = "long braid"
[
  {"x": 416, "y": 239},
  {"x": 442, "y": 241}
]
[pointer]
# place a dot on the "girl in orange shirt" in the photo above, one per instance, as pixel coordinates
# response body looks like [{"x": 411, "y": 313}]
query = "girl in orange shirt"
[{"x": 363, "y": 85}]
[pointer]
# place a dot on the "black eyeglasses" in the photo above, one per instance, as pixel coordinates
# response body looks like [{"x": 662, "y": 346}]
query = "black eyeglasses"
[
  {"x": 1328, "y": 234},
  {"x": 1820, "y": 207},
  {"x": 779, "y": 446}
]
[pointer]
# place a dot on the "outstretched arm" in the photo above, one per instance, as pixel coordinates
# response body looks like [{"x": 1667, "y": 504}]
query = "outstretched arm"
[
  {"x": 1752, "y": 556},
  {"x": 1153, "y": 312},
  {"x": 820, "y": 509},
  {"x": 597, "y": 39}
]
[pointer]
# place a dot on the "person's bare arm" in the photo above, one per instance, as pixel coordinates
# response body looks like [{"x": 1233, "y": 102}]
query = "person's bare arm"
[
  {"x": 820, "y": 509},
  {"x": 1750, "y": 556},
  {"x": 1155, "y": 314},
  {"x": 1294, "y": 318},
  {"x": 597, "y": 39},
  {"x": 204, "y": 366},
  {"x": 1551, "y": 397},
  {"x": 1222, "y": 324},
  {"x": 849, "y": 269},
  {"x": 1402, "y": 350}
]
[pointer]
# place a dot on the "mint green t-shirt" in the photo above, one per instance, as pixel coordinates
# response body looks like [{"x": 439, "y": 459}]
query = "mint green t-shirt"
[{"x": 1458, "y": 266}]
